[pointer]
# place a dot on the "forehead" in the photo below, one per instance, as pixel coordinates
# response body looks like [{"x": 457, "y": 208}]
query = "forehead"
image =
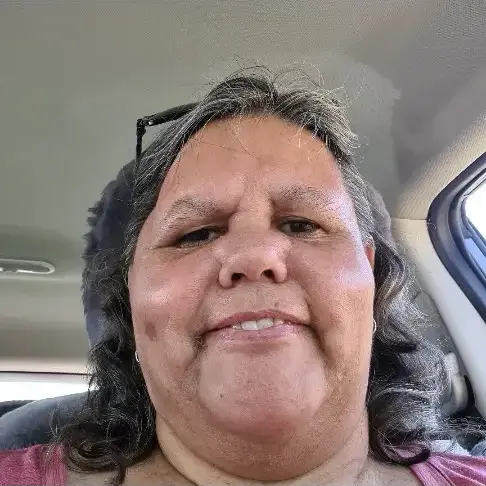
[{"x": 236, "y": 155}]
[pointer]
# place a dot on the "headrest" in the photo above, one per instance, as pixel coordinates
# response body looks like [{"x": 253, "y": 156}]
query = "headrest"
[
  {"x": 107, "y": 222},
  {"x": 33, "y": 423}
]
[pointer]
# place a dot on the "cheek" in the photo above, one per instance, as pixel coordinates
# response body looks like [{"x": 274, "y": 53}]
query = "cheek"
[
  {"x": 161, "y": 293},
  {"x": 165, "y": 298},
  {"x": 339, "y": 285}
]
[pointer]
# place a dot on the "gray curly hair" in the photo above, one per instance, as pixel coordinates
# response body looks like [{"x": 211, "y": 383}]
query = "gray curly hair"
[{"x": 407, "y": 374}]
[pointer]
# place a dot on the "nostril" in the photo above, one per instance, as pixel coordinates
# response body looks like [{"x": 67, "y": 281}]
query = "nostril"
[
  {"x": 269, "y": 274},
  {"x": 236, "y": 276}
]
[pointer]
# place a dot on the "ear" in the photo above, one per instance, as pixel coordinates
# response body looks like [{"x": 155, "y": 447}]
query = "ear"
[{"x": 370, "y": 252}]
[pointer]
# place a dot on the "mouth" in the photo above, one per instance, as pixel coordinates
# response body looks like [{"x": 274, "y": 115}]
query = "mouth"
[
  {"x": 257, "y": 326},
  {"x": 257, "y": 321}
]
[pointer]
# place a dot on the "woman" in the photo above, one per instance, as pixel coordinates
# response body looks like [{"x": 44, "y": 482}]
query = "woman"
[{"x": 258, "y": 327}]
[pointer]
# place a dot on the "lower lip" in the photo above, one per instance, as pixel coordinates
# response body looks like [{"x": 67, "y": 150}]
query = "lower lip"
[{"x": 279, "y": 332}]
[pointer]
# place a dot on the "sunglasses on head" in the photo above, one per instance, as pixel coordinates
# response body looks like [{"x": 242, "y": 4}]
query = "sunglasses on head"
[{"x": 158, "y": 119}]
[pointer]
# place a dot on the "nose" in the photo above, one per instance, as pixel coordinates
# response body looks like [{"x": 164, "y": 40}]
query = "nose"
[{"x": 254, "y": 258}]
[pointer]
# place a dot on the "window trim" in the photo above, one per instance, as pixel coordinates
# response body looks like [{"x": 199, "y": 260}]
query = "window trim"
[
  {"x": 446, "y": 226},
  {"x": 478, "y": 240}
]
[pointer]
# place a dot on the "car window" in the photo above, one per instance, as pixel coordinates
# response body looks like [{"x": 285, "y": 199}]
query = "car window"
[
  {"x": 475, "y": 235},
  {"x": 36, "y": 386},
  {"x": 457, "y": 229},
  {"x": 476, "y": 208}
]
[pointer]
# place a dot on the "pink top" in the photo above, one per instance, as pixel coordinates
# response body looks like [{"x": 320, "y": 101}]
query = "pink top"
[{"x": 26, "y": 467}]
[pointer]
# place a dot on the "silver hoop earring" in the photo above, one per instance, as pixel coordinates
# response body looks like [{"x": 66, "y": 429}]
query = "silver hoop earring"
[
  {"x": 136, "y": 357},
  {"x": 374, "y": 326}
]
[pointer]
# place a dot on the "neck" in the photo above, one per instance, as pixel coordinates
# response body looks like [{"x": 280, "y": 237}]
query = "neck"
[{"x": 350, "y": 465}]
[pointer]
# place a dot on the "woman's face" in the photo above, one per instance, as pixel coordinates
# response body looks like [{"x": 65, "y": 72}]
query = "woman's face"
[{"x": 253, "y": 223}]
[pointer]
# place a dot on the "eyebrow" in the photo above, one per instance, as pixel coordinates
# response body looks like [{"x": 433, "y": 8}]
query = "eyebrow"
[
  {"x": 294, "y": 195},
  {"x": 189, "y": 207}
]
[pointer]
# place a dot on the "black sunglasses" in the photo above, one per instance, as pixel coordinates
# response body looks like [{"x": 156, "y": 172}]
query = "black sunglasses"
[{"x": 158, "y": 119}]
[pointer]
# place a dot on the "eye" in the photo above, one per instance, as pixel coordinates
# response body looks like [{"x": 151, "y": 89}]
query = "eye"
[
  {"x": 299, "y": 226},
  {"x": 199, "y": 237}
]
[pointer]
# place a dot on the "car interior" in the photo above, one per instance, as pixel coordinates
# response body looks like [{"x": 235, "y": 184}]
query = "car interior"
[{"x": 76, "y": 76}]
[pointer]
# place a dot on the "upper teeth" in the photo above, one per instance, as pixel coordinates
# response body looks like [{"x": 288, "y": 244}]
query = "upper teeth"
[{"x": 257, "y": 325}]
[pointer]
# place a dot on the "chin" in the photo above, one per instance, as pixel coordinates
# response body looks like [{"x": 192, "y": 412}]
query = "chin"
[
  {"x": 261, "y": 416},
  {"x": 263, "y": 428},
  {"x": 263, "y": 395}
]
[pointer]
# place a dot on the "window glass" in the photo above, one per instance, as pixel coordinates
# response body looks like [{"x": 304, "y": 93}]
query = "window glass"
[
  {"x": 476, "y": 208},
  {"x": 36, "y": 386},
  {"x": 475, "y": 212}
]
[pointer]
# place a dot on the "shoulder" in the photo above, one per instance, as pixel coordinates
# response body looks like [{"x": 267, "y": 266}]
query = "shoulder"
[
  {"x": 33, "y": 465},
  {"x": 455, "y": 469}
]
